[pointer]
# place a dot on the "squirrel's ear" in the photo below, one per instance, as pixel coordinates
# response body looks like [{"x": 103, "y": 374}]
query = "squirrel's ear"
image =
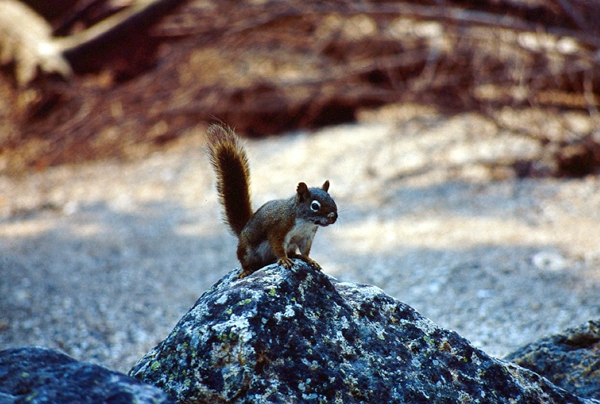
[
  {"x": 302, "y": 190},
  {"x": 325, "y": 186}
]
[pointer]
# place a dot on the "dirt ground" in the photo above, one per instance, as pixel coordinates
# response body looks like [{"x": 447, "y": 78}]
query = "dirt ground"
[{"x": 101, "y": 259}]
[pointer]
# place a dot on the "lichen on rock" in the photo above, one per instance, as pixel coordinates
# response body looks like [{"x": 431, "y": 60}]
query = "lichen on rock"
[
  {"x": 570, "y": 359},
  {"x": 301, "y": 336}
]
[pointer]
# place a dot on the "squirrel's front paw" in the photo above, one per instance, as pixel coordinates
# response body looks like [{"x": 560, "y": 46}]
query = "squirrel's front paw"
[
  {"x": 312, "y": 263},
  {"x": 286, "y": 262},
  {"x": 245, "y": 273}
]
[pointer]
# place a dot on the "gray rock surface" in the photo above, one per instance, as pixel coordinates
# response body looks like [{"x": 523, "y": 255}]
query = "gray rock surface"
[
  {"x": 41, "y": 375},
  {"x": 300, "y": 336},
  {"x": 570, "y": 359}
]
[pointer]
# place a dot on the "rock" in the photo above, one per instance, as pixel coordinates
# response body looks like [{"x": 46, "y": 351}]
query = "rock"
[
  {"x": 42, "y": 375},
  {"x": 300, "y": 336},
  {"x": 570, "y": 359}
]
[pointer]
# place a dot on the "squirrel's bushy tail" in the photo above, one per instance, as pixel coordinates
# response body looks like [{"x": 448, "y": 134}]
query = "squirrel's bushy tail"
[{"x": 229, "y": 159}]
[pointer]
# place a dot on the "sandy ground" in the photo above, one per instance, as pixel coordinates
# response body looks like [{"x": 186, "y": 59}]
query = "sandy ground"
[{"x": 101, "y": 260}]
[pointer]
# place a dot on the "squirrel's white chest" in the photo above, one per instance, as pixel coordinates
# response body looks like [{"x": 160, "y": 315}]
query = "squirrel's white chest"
[
  {"x": 302, "y": 232},
  {"x": 297, "y": 238}
]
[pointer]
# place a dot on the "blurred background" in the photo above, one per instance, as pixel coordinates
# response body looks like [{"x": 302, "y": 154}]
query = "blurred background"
[
  {"x": 155, "y": 74},
  {"x": 461, "y": 138}
]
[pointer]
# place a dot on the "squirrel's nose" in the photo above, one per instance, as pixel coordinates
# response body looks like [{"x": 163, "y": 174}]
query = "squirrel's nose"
[{"x": 332, "y": 216}]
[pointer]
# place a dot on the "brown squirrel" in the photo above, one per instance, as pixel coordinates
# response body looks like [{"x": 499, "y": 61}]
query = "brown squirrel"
[{"x": 281, "y": 229}]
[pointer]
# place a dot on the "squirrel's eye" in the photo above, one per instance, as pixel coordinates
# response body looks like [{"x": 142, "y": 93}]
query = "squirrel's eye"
[{"x": 315, "y": 206}]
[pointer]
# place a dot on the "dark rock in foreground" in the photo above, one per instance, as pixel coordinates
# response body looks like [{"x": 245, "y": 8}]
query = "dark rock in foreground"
[
  {"x": 41, "y": 375},
  {"x": 300, "y": 336},
  {"x": 570, "y": 359}
]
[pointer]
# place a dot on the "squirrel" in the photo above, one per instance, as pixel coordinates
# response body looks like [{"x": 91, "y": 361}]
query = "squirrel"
[{"x": 280, "y": 229}]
